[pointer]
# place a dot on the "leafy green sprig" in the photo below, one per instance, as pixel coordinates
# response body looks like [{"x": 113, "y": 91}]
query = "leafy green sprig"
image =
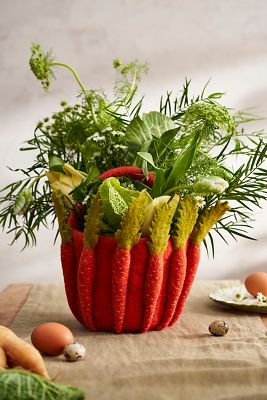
[
  {"x": 126, "y": 88},
  {"x": 86, "y": 135},
  {"x": 23, "y": 222},
  {"x": 246, "y": 191},
  {"x": 225, "y": 139}
]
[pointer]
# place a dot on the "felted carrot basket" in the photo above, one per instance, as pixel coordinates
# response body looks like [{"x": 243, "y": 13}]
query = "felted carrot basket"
[
  {"x": 129, "y": 283},
  {"x": 135, "y": 195}
]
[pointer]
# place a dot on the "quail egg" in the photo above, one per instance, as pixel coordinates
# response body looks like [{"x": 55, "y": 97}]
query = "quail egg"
[
  {"x": 218, "y": 328},
  {"x": 74, "y": 352}
]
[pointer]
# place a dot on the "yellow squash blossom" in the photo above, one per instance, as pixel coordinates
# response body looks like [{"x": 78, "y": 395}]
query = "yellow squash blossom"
[{"x": 67, "y": 181}]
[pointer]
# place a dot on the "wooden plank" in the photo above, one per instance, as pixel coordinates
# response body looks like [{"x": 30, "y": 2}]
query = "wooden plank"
[
  {"x": 264, "y": 320},
  {"x": 12, "y": 299},
  {"x": 15, "y": 295}
]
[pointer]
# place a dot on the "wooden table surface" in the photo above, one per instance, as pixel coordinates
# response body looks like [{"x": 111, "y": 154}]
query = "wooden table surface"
[
  {"x": 121, "y": 367},
  {"x": 14, "y": 296}
]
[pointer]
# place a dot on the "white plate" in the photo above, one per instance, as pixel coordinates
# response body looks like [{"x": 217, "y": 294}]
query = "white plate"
[{"x": 238, "y": 298}]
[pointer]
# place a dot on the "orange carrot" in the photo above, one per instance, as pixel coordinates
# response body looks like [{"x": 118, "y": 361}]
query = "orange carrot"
[
  {"x": 3, "y": 359},
  {"x": 20, "y": 353}
]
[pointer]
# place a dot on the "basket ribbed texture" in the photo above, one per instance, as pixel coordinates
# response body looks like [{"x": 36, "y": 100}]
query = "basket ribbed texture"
[{"x": 90, "y": 298}]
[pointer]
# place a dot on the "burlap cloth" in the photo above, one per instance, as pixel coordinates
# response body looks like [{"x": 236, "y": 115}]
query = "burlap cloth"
[{"x": 183, "y": 362}]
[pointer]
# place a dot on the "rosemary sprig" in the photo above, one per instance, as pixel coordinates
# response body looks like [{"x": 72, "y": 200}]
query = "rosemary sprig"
[{"x": 39, "y": 212}]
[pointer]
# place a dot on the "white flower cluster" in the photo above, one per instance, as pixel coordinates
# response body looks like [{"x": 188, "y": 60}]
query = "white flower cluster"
[
  {"x": 261, "y": 298},
  {"x": 96, "y": 137},
  {"x": 241, "y": 294},
  {"x": 200, "y": 201}
]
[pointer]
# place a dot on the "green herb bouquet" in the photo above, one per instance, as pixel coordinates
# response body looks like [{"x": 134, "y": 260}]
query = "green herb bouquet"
[{"x": 135, "y": 194}]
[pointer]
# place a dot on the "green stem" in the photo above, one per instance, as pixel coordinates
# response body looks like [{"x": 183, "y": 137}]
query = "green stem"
[
  {"x": 76, "y": 76},
  {"x": 176, "y": 188},
  {"x": 55, "y": 63},
  {"x": 124, "y": 100},
  {"x": 36, "y": 180},
  {"x": 132, "y": 86},
  {"x": 93, "y": 113}
]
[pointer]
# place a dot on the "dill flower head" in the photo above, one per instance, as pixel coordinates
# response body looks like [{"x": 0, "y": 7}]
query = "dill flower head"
[{"x": 40, "y": 64}]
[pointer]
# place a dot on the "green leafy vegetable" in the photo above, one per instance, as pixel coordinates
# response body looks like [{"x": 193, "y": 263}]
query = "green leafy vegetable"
[
  {"x": 17, "y": 384},
  {"x": 115, "y": 200},
  {"x": 141, "y": 131}
]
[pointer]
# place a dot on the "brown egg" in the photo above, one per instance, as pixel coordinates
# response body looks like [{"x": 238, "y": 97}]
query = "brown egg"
[
  {"x": 256, "y": 283},
  {"x": 50, "y": 338}
]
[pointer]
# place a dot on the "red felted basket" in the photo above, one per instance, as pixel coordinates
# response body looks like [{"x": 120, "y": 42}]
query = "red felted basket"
[
  {"x": 96, "y": 310},
  {"x": 149, "y": 294}
]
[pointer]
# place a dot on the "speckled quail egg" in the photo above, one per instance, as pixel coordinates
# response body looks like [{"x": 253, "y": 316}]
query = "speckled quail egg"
[
  {"x": 74, "y": 352},
  {"x": 218, "y": 328}
]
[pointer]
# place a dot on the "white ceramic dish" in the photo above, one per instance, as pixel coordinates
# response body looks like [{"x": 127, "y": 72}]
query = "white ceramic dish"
[{"x": 238, "y": 298}]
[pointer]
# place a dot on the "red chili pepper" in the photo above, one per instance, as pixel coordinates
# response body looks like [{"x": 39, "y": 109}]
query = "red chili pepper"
[{"x": 132, "y": 172}]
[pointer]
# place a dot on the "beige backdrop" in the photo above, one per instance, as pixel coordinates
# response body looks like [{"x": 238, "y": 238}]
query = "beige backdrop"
[{"x": 225, "y": 41}]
